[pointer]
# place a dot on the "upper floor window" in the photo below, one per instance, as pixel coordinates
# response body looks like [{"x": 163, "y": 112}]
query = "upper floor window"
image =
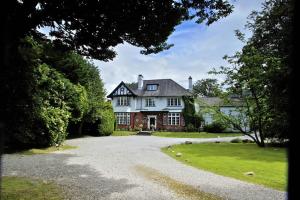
[
  {"x": 174, "y": 102},
  {"x": 152, "y": 87},
  {"x": 150, "y": 102},
  {"x": 123, "y": 101}
]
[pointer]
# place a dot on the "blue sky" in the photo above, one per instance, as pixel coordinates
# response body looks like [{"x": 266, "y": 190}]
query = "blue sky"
[{"x": 198, "y": 49}]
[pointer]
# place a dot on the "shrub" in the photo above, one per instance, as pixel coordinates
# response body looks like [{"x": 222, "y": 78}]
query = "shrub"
[
  {"x": 215, "y": 127},
  {"x": 236, "y": 140},
  {"x": 107, "y": 120},
  {"x": 190, "y": 128},
  {"x": 56, "y": 122}
]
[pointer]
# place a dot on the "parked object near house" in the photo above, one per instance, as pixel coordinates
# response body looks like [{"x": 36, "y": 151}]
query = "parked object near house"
[{"x": 152, "y": 104}]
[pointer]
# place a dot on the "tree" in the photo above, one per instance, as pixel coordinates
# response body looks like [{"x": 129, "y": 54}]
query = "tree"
[
  {"x": 93, "y": 27},
  {"x": 207, "y": 87},
  {"x": 132, "y": 84},
  {"x": 260, "y": 72}
]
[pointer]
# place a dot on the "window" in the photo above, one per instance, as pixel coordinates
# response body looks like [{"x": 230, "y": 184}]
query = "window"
[
  {"x": 152, "y": 87},
  {"x": 123, "y": 101},
  {"x": 173, "y": 118},
  {"x": 121, "y": 90},
  {"x": 150, "y": 102},
  {"x": 123, "y": 118},
  {"x": 174, "y": 102}
]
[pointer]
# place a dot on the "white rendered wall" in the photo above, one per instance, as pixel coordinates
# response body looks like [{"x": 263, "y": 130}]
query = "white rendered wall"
[{"x": 139, "y": 104}]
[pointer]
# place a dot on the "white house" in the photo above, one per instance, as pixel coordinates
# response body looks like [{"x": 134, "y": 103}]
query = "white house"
[
  {"x": 234, "y": 108},
  {"x": 151, "y": 104}
]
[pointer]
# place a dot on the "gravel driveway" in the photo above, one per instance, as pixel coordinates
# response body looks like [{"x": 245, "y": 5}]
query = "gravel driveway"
[{"x": 108, "y": 168}]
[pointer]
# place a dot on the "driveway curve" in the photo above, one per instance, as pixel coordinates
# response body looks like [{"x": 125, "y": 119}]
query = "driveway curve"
[{"x": 108, "y": 168}]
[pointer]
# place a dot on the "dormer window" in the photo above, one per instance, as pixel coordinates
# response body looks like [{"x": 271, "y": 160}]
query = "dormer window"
[{"x": 152, "y": 87}]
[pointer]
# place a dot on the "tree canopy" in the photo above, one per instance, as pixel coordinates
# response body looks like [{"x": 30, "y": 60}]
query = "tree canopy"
[
  {"x": 94, "y": 27},
  {"x": 207, "y": 87},
  {"x": 260, "y": 72}
]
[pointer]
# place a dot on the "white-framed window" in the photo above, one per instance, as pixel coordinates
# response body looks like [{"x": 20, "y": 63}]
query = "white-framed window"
[
  {"x": 123, "y": 101},
  {"x": 152, "y": 87},
  {"x": 174, "y": 102},
  {"x": 173, "y": 118},
  {"x": 150, "y": 102},
  {"x": 123, "y": 118}
]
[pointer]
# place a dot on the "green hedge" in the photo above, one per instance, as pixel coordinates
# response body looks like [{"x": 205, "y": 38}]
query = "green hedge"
[
  {"x": 107, "y": 120},
  {"x": 214, "y": 127}
]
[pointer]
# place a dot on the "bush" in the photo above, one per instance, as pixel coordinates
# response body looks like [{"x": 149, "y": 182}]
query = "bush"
[
  {"x": 107, "y": 120},
  {"x": 215, "y": 127},
  {"x": 236, "y": 140},
  {"x": 56, "y": 122},
  {"x": 190, "y": 128}
]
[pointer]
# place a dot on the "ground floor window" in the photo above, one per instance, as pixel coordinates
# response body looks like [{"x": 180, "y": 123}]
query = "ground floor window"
[
  {"x": 173, "y": 118},
  {"x": 123, "y": 118}
]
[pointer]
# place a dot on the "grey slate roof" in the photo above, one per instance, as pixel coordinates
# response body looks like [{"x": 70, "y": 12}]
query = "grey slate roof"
[
  {"x": 216, "y": 101},
  {"x": 166, "y": 87}
]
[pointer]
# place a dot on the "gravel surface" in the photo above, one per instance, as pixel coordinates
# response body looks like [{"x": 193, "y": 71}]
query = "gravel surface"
[{"x": 106, "y": 168}]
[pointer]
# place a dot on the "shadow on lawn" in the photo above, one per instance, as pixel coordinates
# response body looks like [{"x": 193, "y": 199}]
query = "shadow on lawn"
[{"x": 77, "y": 181}]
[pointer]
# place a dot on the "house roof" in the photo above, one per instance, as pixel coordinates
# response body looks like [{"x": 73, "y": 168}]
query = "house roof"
[
  {"x": 216, "y": 101},
  {"x": 166, "y": 87}
]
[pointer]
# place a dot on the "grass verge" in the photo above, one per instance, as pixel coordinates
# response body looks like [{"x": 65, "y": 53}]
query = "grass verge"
[
  {"x": 123, "y": 133},
  {"x": 181, "y": 189},
  {"x": 269, "y": 165},
  {"x": 46, "y": 150},
  {"x": 194, "y": 134},
  {"x": 14, "y": 188}
]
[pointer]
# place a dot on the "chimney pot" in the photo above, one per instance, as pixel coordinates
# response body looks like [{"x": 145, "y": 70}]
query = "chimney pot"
[{"x": 140, "y": 82}]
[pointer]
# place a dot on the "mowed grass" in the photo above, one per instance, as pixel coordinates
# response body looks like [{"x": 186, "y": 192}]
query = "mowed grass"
[
  {"x": 194, "y": 134},
  {"x": 46, "y": 150},
  {"x": 124, "y": 133},
  {"x": 234, "y": 160},
  {"x": 16, "y": 188}
]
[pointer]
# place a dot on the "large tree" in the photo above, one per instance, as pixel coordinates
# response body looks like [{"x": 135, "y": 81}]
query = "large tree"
[
  {"x": 207, "y": 87},
  {"x": 260, "y": 72},
  {"x": 93, "y": 27}
]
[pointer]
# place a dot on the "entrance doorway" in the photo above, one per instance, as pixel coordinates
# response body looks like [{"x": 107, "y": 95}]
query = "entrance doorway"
[{"x": 151, "y": 121}]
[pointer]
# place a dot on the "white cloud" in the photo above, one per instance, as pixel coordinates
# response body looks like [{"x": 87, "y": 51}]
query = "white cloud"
[{"x": 197, "y": 50}]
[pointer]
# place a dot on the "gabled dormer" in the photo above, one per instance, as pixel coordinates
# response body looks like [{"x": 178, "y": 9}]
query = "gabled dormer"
[{"x": 121, "y": 90}]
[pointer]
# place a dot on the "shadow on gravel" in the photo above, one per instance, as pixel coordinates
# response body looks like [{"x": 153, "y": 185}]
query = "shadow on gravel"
[{"x": 77, "y": 181}]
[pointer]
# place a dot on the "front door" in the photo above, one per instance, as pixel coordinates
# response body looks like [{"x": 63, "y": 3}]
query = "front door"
[{"x": 151, "y": 121}]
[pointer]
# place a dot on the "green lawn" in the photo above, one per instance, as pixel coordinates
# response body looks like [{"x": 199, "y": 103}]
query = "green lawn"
[
  {"x": 14, "y": 188},
  {"x": 234, "y": 160},
  {"x": 194, "y": 134},
  {"x": 46, "y": 150},
  {"x": 124, "y": 133}
]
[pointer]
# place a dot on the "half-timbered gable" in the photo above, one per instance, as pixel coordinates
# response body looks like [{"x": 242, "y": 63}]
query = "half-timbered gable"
[{"x": 121, "y": 90}]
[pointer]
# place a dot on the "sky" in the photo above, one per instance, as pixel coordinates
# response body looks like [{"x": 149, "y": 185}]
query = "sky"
[{"x": 197, "y": 49}]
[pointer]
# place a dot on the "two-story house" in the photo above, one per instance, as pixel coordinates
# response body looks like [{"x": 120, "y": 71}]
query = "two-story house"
[{"x": 151, "y": 104}]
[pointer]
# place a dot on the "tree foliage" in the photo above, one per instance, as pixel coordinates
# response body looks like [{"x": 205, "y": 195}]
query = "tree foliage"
[
  {"x": 56, "y": 104},
  {"x": 93, "y": 27},
  {"x": 192, "y": 119},
  {"x": 207, "y": 87},
  {"x": 260, "y": 72}
]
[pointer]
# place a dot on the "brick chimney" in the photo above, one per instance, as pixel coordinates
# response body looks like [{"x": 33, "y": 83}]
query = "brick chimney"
[{"x": 190, "y": 84}]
